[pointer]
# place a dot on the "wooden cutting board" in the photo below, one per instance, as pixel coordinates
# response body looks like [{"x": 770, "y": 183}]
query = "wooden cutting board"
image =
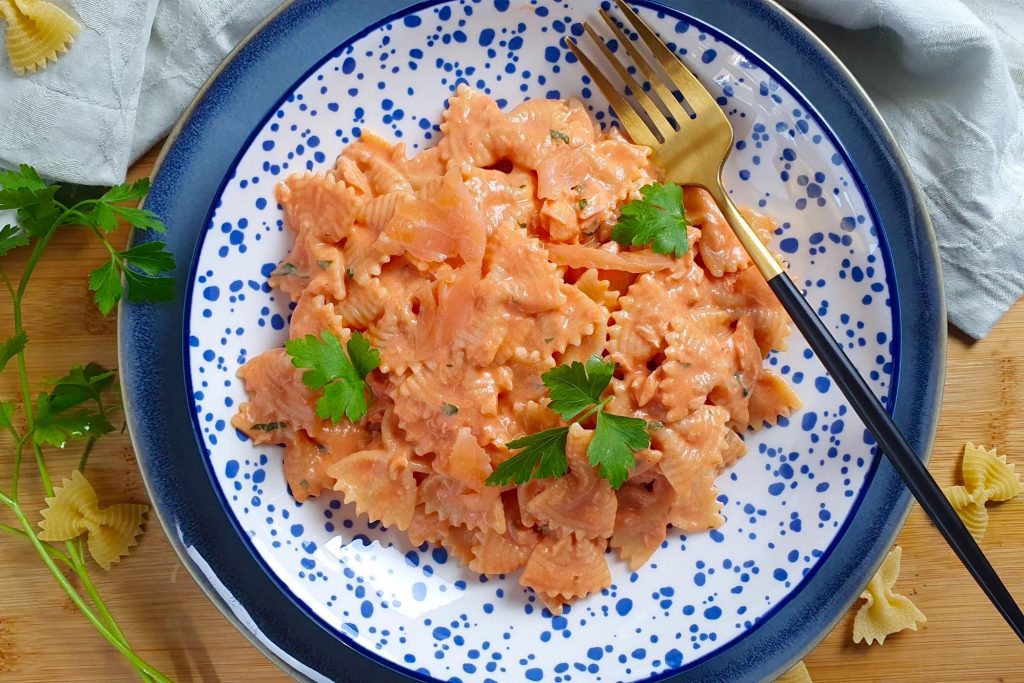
[{"x": 171, "y": 623}]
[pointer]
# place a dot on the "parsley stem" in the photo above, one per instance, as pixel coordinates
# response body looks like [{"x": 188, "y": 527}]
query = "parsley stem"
[
  {"x": 593, "y": 409},
  {"x": 16, "y": 471},
  {"x": 26, "y": 394},
  {"x": 85, "y": 452},
  {"x": 106, "y": 243},
  {"x": 54, "y": 552},
  {"x": 76, "y": 561},
  {"x": 118, "y": 643}
]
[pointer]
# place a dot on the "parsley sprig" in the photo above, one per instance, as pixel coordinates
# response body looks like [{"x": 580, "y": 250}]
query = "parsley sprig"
[
  {"x": 40, "y": 214},
  {"x": 575, "y": 391},
  {"x": 340, "y": 377},
  {"x": 657, "y": 220},
  {"x": 76, "y": 407}
]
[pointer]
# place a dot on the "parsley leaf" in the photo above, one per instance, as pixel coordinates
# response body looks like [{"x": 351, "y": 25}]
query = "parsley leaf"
[
  {"x": 543, "y": 456},
  {"x": 33, "y": 199},
  {"x": 25, "y": 178},
  {"x": 127, "y": 192},
  {"x": 141, "y": 266},
  {"x": 343, "y": 398},
  {"x": 103, "y": 216},
  {"x": 323, "y": 356},
  {"x": 365, "y": 358},
  {"x": 11, "y": 238},
  {"x": 60, "y": 415},
  {"x": 657, "y": 220},
  {"x": 449, "y": 409},
  {"x": 105, "y": 211},
  {"x": 559, "y": 135},
  {"x": 576, "y": 387},
  {"x": 615, "y": 440},
  {"x": 143, "y": 219},
  {"x": 268, "y": 426},
  {"x": 6, "y": 413},
  {"x": 150, "y": 257},
  {"x": 55, "y": 426},
  {"x": 105, "y": 281},
  {"x": 143, "y": 287},
  {"x": 81, "y": 384},
  {"x": 575, "y": 391},
  {"x": 339, "y": 376},
  {"x": 11, "y": 347}
]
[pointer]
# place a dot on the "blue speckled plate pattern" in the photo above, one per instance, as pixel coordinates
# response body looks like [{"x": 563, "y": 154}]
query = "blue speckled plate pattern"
[{"x": 809, "y": 510}]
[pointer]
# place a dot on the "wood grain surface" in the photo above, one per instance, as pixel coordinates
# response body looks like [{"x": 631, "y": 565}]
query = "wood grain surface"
[{"x": 170, "y": 622}]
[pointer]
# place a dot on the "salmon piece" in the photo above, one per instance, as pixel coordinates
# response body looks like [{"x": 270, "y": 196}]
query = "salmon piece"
[
  {"x": 438, "y": 228},
  {"x": 642, "y": 261}
]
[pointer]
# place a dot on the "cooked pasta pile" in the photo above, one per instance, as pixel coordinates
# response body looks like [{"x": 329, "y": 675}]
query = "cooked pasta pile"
[{"x": 473, "y": 268}]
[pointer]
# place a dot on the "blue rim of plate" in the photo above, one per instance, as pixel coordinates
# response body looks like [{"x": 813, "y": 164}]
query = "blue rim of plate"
[{"x": 200, "y": 155}]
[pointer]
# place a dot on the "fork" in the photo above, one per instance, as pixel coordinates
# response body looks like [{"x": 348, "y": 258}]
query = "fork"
[{"x": 692, "y": 146}]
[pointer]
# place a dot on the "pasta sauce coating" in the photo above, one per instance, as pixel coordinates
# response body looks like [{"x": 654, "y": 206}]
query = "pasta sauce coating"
[{"x": 473, "y": 268}]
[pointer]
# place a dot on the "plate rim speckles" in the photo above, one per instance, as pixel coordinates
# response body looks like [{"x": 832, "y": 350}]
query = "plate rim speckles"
[{"x": 153, "y": 425}]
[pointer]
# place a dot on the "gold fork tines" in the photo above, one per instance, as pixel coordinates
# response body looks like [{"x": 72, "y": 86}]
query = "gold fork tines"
[{"x": 690, "y": 148}]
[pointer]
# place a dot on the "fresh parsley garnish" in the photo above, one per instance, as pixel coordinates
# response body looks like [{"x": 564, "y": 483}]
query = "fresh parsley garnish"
[
  {"x": 616, "y": 439},
  {"x": 543, "y": 456},
  {"x": 582, "y": 203},
  {"x": 287, "y": 269},
  {"x": 340, "y": 377},
  {"x": 448, "y": 409},
  {"x": 658, "y": 220},
  {"x": 560, "y": 136},
  {"x": 576, "y": 393},
  {"x": 267, "y": 426},
  {"x": 577, "y": 386}
]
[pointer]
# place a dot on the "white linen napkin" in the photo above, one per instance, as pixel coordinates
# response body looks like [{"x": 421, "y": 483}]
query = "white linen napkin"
[{"x": 947, "y": 76}]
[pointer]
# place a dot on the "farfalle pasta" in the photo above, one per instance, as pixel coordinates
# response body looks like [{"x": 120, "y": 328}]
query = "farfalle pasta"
[
  {"x": 74, "y": 510},
  {"x": 37, "y": 32},
  {"x": 987, "y": 477},
  {"x": 473, "y": 268},
  {"x": 885, "y": 612}
]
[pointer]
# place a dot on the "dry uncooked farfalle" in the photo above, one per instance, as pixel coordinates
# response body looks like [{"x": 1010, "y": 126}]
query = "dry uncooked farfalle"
[
  {"x": 885, "y": 612},
  {"x": 74, "y": 510},
  {"x": 987, "y": 477},
  {"x": 37, "y": 32}
]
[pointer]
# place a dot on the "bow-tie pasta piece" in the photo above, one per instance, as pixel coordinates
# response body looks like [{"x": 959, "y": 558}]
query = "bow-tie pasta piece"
[
  {"x": 987, "y": 477},
  {"x": 74, "y": 510},
  {"x": 971, "y": 511},
  {"x": 989, "y": 472},
  {"x": 37, "y": 32},
  {"x": 797, "y": 674},
  {"x": 885, "y": 612}
]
